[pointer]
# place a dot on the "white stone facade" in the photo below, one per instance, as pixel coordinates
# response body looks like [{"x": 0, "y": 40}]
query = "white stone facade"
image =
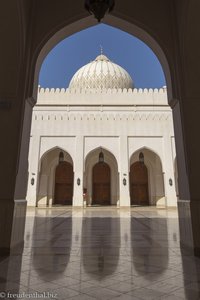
[{"x": 120, "y": 122}]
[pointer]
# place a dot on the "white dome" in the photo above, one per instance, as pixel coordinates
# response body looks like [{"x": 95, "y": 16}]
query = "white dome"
[{"x": 101, "y": 74}]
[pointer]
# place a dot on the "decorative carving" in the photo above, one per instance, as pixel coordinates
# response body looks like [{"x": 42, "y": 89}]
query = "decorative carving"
[{"x": 106, "y": 117}]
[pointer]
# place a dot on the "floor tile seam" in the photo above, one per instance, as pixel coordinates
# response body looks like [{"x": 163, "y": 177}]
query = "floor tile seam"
[
  {"x": 46, "y": 221},
  {"x": 38, "y": 285},
  {"x": 132, "y": 289},
  {"x": 163, "y": 293},
  {"x": 172, "y": 288},
  {"x": 135, "y": 298},
  {"x": 129, "y": 279},
  {"x": 92, "y": 288},
  {"x": 87, "y": 293},
  {"x": 138, "y": 298},
  {"x": 171, "y": 291},
  {"x": 153, "y": 218},
  {"x": 81, "y": 292},
  {"x": 52, "y": 217},
  {"x": 67, "y": 286},
  {"x": 119, "y": 292},
  {"x": 158, "y": 269},
  {"x": 91, "y": 296},
  {"x": 146, "y": 226},
  {"x": 74, "y": 297},
  {"x": 144, "y": 285},
  {"x": 158, "y": 281}
]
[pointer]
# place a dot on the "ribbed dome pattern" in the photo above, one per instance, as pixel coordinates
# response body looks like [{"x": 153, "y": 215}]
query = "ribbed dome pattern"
[{"x": 101, "y": 74}]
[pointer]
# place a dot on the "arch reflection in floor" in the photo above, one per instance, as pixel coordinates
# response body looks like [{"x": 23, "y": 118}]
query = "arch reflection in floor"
[{"x": 102, "y": 253}]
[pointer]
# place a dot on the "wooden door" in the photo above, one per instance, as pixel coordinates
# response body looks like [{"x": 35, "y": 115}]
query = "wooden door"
[
  {"x": 139, "y": 184},
  {"x": 101, "y": 184},
  {"x": 64, "y": 184}
]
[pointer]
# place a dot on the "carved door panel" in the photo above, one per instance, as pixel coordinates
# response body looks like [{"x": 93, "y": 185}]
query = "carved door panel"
[
  {"x": 64, "y": 184},
  {"x": 139, "y": 184},
  {"x": 101, "y": 184}
]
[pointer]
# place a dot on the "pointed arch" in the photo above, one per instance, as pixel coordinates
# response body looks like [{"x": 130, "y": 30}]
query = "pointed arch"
[
  {"x": 152, "y": 184},
  {"x": 118, "y": 22},
  {"x": 58, "y": 149},
  {"x": 49, "y": 180},
  {"x": 106, "y": 183},
  {"x": 146, "y": 148}
]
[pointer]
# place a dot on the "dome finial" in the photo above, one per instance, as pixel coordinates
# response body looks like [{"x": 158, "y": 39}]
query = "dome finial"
[{"x": 101, "y": 50}]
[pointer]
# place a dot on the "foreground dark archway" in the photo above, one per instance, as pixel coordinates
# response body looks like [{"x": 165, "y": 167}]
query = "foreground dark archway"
[
  {"x": 117, "y": 22},
  {"x": 27, "y": 34}
]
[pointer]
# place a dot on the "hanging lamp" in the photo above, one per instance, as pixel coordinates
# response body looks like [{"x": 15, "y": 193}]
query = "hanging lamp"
[
  {"x": 61, "y": 157},
  {"x": 101, "y": 157},
  {"x": 99, "y": 8},
  {"x": 141, "y": 158}
]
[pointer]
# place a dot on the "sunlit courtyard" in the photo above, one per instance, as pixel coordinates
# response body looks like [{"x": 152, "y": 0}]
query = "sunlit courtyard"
[{"x": 102, "y": 253}]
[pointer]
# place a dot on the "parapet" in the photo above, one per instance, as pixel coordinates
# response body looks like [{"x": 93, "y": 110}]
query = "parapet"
[
  {"x": 71, "y": 96},
  {"x": 101, "y": 91}
]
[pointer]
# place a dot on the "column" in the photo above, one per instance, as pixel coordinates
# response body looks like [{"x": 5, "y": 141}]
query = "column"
[
  {"x": 78, "y": 172},
  {"x": 15, "y": 122},
  {"x": 14, "y": 177},
  {"x": 188, "y": 164},
  {"x": 168, "y": 170},
  {"x": 186, "y": 114},
  {"x": 33, "y": 182},
  {"x": 124, "y": 198}
]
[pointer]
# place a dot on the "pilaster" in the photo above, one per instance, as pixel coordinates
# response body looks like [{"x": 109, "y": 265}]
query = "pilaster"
[
  {"x": 33, "y": 180},
  {"x": 78, "y": 172},
  {"x": 168, "y": 170},
  {"x": 124, "y": 198},
  {"x": 188, "y": 161}
]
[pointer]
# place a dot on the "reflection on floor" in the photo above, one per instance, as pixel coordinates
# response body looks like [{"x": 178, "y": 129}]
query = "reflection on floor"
[{"x": 101, "y": 253}]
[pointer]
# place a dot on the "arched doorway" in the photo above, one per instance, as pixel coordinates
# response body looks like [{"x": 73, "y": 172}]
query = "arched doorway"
[
  {"x": 63, "y": 184},
  {"x": 139, "y": 184},
  {"x": 101, "y": 183},
  {"x": 92, "y": 171},
  {"x": 49, "y": 163},
  {"x": 152, "y": 174}
]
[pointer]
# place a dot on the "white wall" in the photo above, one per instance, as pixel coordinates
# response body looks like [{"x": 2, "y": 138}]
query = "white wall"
[{"x": 121, "y": 122}]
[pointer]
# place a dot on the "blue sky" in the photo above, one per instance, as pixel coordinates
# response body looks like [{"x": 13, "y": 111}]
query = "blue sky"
[{"x": 122, "y": 48}]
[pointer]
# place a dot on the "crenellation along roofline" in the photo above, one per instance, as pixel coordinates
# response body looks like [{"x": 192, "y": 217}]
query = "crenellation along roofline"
[
  {"x": 103, "y": 97},
  {"x": 162, "y": 90}
]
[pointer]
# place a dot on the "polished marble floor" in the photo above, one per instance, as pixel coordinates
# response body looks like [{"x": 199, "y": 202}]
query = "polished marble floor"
[{"x": 101, "y": 253}]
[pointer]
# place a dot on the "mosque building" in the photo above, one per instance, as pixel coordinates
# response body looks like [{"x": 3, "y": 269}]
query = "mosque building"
[{"x": 102, "y": 142}]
